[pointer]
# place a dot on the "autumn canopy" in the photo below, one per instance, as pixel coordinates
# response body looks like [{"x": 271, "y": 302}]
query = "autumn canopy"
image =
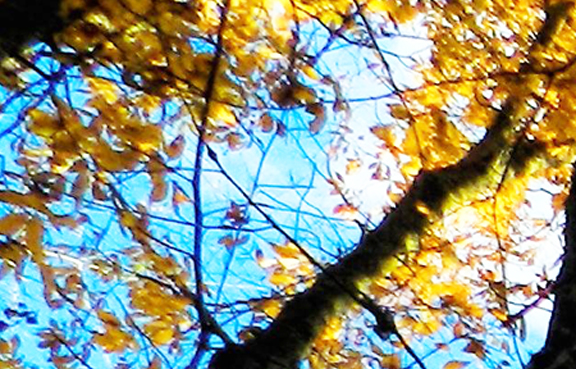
[{"x": 269, "y": 184}]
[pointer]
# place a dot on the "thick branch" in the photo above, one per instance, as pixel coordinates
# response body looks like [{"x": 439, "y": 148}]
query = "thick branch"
[{"x": 25, "y": 20}]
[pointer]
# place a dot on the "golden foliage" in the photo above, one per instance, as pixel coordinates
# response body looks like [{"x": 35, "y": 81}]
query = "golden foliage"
[{"x": 157, "y": 76}]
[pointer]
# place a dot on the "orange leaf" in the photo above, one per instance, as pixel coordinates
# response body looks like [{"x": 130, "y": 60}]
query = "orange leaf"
[
  {"x": 12, "y": 223},
  {"x": 442, "y": 346},
  {"x": 390, "y": 362},
  {"x": 155, "y": 364},
  {"x": 559, "y": 200},
  {"x": 179, "y": 196},
  {"x": 236, "y": 214},
  {"x": 319, "y": 120},
  {"x": 347, "y": 211},
  {"x": 108, "y": 318},
  {"x": 159, "y": 188},
  {"x": 287, "y": 251},
  {"x": 266, "y": 123},
  {"x": 455, "y": 364},
  {"x": 176, "y": 147},
  {"x": 234, "y": 141},
  {"x": 34, "y": 237},
  {"x": 231, "y": 241},
  {"x": 475, "y": 347}
]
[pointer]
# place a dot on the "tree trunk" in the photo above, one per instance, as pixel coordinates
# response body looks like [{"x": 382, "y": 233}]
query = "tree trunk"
[{"x": 559, "y": 352}]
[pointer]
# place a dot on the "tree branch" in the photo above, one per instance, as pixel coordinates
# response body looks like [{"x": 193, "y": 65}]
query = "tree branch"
[
  {"x": 287, "y": 340},
  {"x": 206, "y": 321}
]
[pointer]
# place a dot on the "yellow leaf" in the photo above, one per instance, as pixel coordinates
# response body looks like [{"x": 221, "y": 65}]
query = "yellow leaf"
[
  {"x": 147, "y": 138},
  {"x": 128, "y": 219},
  {"x": 282, "y": 279},
  {"x": 385, "y": 134},
  {"x": 104, "y": 89},
  {"x": 223, "y": 113},
  {"x": 153, "y": 300},
  {"x": 139, "y": 7},
  {"x": 159, "y": 331},
  {"x": 311, "y": 72},
  {"x": 411, "y": 144},
  {"x": 114, "y": 340},
  {"x": 379, "y": 6},
  {"x": 112, "y": 160},
  {"x": 332, "y": 329},
  {"x": 422, "y": 208},
  {"x": 353, "y": 165},
  {"x": 43, "y": 124},
  {"x": 271, "y": 307},
  {"x": 303, "y": 94},
  {"x": 412, "y": 168}
]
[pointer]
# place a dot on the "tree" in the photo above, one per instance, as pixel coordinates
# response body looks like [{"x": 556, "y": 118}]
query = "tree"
[{"x": 268, "y": 184}]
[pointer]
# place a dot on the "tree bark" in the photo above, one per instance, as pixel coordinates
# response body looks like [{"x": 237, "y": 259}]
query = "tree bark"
[
  {"x": 22, "y": 21},
  {"x": 559, "y": 351}
]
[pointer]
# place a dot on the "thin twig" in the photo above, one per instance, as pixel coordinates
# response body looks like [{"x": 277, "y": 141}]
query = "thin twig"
[{"x": 205, "y": 323}]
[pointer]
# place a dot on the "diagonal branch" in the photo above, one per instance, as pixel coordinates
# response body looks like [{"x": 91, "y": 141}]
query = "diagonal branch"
[{"x": 289, "y": 337}]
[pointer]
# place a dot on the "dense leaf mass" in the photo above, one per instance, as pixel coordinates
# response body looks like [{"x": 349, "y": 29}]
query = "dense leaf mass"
[{"x": 269, "y": 184}]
